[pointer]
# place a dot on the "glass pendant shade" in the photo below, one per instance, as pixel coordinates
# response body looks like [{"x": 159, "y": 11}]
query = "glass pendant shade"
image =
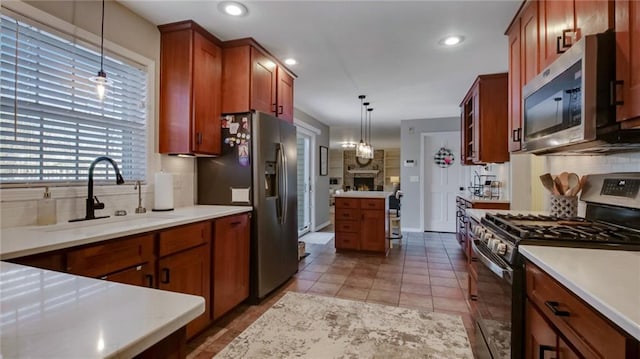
[
  {"x": 101, "y": 82},
  {"x": 361, "y": 149}
]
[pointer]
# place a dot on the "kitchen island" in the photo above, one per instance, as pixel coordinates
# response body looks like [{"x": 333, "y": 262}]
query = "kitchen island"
[
  {"x": 362, "y": 221},
  {"x": 51, "y": 314}
]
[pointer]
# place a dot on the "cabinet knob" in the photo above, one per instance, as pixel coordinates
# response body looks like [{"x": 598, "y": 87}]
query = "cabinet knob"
[
  {"x": 281, "y": 110},
  {"x": 149, "y": 278}
]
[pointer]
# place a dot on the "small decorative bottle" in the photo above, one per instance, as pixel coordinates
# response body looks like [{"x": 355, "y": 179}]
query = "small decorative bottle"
[{"x": 47, "y": 209}]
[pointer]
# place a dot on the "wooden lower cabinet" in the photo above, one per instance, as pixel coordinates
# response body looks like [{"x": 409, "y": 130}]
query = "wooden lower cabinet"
[
  {"x": 362, "y": 224},
  {"x": 560, "y": 325},
  {"x": 142, "y": 275},
  {"x": 230, "y": 263},
  {"x": 189, "y": 272}
]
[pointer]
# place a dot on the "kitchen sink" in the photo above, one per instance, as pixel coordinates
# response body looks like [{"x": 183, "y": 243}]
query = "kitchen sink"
[{"x": 101, "y": 223}]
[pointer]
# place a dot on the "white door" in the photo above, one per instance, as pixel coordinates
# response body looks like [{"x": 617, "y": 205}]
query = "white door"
[{"x": 440, "y": 184}]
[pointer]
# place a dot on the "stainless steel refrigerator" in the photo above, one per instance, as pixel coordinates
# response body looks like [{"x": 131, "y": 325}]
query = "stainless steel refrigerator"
[{"x": 258, "y": 168}]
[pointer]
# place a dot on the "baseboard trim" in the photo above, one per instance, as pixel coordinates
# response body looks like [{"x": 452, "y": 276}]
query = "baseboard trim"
[{"x": 319, "y": 227}]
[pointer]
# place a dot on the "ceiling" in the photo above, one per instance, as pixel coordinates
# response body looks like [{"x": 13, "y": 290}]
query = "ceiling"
[{"x": 387, "y": 50}]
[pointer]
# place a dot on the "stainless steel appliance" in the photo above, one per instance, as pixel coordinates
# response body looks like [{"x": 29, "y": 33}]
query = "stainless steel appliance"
[
  {"x": 612, "y": 221},
  {"x": 258, "y": 168},
  {"x": 570, "y": 106}
]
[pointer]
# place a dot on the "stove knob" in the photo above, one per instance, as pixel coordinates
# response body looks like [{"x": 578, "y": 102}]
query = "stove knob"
[
  {"x": 493, "y": 244},
  {"x": 502, "y": 249}
]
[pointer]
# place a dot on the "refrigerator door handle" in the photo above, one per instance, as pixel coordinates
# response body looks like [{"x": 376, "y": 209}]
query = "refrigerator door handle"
[
  {"x": 285, "y": 175},
  {"x": 278, "y": 180}
]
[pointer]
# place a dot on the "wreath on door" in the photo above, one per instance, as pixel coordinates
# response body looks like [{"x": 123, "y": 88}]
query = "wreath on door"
[{"x": 444, "y": 158}]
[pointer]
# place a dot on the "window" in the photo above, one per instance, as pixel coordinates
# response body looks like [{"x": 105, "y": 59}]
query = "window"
[{"x": 53, "y": 125}]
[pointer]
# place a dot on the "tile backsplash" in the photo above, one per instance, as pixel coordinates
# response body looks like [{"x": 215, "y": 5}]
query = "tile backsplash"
[
  {"x": 18, "y": 206},
  {"x": 584, "y": 165}
]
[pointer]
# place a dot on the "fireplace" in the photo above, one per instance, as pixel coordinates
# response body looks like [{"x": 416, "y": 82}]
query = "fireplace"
[{"x": 363, "y": 184}]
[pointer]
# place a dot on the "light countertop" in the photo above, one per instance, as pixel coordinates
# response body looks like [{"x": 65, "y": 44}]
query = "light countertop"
[
  {"x": 608, "y": 280},
  {"x": 22, "y": 241},
  {"x": 57, "y": 315},
  {"x": 474, "y": 199},
  {"x": 364, "y": 194}
]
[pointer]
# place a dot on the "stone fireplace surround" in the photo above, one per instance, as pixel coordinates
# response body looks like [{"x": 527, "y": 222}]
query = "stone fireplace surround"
[{"x": 364, "y": 173}]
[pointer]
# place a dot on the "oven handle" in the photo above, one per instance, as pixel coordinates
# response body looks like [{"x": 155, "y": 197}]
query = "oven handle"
[{"x": 505, "y": 274}]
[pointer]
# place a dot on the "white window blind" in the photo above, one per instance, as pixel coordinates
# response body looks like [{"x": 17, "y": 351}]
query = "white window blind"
[{"x": 53, "y": 125}]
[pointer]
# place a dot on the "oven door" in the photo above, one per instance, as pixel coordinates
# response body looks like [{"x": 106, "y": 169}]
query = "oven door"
[{"x": 494, "y": 302}]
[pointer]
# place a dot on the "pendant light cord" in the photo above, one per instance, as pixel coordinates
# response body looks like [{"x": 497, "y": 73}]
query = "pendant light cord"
[{"x": 102, "y": 39}]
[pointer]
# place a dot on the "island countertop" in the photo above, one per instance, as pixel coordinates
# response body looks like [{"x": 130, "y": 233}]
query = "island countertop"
[
  {"x": 364, "y": 194},
  {"x": 22, "y": 241},
  {"x": 56, "y": 315}
]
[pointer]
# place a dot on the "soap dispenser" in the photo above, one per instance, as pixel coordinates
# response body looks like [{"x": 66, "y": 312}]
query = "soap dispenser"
[{"x": 47, "y": 209}]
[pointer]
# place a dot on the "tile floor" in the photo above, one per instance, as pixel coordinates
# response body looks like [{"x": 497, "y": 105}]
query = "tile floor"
[{"x": 428, "y": 272}]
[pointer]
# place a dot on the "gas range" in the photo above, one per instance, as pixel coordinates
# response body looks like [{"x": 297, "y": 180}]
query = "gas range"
[{"x": 612, "y": 221}]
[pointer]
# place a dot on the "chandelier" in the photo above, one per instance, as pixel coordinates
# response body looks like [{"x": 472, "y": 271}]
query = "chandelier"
[{"x": 364, "y": 148}]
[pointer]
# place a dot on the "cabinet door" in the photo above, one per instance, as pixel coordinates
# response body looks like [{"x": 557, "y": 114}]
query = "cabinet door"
[
  {"x": 189, "y": 272},
  {"x": 556, "y": 16},
  {"x": 142, "y": 276},
  {"x": 207, "y": 78},
  {"x": 230, "y": 263},
  {"x": 565, "y": 351},
  {"x": 285, "y": 95},
  {"x": 263, "y": 82},
  {"x": 540, "y": 339},
  {"x": 515, "y": 87},
  {"x": 593, "y": 16},
  {"x": 628, "y": 60},
  {"x": 372, "y": 230},
  {"x": 476, "y": 130},
  {"x": 529, "y": 42}
]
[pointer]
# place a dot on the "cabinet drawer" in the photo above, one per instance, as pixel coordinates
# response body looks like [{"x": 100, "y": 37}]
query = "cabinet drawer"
[
  {"x": 346, "y": 202},
  {"x": 347, "y": 240},
  {"x": 181, "y": 238},
  {"x": 348, "y": 214},
  {"x": 347, "y": 226},
  {"x": 111, "y": 256},
  {"x": 368, "y": 203},
  {"x": 592, "y": 334}
]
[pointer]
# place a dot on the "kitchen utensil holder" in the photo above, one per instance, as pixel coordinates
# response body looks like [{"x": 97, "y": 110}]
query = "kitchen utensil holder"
[{"x": 564, "y": 206}]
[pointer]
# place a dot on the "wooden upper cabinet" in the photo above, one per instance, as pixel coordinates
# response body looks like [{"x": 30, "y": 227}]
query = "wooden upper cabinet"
[
  {"x": 628, "y": 62},
  {"x": 515, "y": 86},
  {"x": 564, "y": 22},
  {"x": 523, "y": 66},
  {"x": 485, "y": 120},
  {"x": 557, "y": 25},
  {"x": 285, "y": 96},
  {"x": 190, "y": 90},
  {"x": 263, "y": 82},
  {"x": 253, "y": 80}
]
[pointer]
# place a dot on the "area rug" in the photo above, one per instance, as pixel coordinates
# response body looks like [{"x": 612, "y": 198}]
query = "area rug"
[
  {"x": 317, "y": 237},
  {"x": 308, "y": 326}
]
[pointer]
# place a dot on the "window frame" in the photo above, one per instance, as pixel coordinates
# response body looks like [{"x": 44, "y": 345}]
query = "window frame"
[{"x": 47, "y": 22}]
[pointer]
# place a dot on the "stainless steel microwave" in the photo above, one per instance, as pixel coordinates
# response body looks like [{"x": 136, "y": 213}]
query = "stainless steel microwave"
[{"x": 570, "y": 106}]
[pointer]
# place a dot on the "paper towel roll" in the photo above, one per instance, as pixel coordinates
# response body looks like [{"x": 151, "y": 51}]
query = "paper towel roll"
[{"x": 163, "y": 195}]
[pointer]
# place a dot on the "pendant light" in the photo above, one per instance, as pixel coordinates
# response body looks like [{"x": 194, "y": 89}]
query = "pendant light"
[
  {"x": 361, "y": 147},
  {"x": 101, "y": 80},
  {"x": 369, "y": 144}
]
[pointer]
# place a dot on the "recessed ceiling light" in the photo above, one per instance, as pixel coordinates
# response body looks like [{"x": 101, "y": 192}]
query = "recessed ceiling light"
[
  {"x": 233, "y": 8},
  {"x": 290, "y": 61},
  {"x": 451, "y": 40}
]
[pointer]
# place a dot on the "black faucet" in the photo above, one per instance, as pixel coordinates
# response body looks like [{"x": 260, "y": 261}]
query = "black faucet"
[{"x": 92, "y": 201}]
